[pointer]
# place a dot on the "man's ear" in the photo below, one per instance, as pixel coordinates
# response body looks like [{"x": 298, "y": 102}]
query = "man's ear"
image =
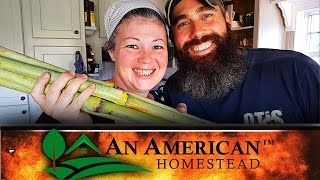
[
  {"x": 111, "y": 55},
  {"x": 226, "y": 15}
]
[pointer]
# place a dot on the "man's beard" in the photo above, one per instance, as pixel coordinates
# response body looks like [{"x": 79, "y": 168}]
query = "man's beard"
[{"x": 215, "y": 74}]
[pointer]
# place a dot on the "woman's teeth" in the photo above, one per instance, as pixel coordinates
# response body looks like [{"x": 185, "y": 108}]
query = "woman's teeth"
[
  {"x": 143, "y": 72},
  {"x": 202, "y": 46}
]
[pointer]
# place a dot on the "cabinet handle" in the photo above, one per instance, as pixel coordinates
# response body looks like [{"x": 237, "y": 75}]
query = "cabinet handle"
[
  {"x": 24, "y": 112},
  {"x": 22, "y": 98},
  {"x": 76, "y": 32}
]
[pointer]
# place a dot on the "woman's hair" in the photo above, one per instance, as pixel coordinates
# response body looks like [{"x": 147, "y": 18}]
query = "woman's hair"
[{"x": 139, "y": 12}]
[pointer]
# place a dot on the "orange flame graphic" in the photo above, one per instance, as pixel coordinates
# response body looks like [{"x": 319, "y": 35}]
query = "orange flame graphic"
[{"x": 281, "y": 155}]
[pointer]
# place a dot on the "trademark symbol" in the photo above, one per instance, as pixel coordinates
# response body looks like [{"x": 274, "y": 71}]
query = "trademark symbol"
[{"x": 268, "y": 142}]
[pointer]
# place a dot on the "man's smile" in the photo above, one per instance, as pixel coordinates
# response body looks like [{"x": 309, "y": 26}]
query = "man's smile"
[
  {"x": 202, "y": 49},
  {"x": 202, "y": 46}
]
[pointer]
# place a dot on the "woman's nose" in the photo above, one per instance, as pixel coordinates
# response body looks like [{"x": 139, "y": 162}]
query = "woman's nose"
[{"x": 145, "y": 57}]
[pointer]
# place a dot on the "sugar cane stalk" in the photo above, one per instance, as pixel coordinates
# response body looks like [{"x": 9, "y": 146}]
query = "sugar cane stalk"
[
  {"x": 103, "y": 91},
  {"x": 19, "y": 63},
  {"x": 93, "y": 105}
]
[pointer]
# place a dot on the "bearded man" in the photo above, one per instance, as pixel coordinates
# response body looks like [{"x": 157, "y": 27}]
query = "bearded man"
[{"x": 222, "y": 83}]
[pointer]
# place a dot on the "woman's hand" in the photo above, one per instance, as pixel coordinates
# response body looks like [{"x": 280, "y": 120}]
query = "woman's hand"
[{"x": 59, "y": 101}]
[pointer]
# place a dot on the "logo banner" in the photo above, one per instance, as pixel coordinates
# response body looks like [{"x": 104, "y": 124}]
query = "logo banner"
[{"x": 159, "y": 154}]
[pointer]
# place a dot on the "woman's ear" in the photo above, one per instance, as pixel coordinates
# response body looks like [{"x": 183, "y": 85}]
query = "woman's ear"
[{"x": 111, "y": 55}]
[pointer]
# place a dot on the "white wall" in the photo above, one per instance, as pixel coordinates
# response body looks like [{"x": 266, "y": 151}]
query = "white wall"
[{"x": 271, "y": 26}]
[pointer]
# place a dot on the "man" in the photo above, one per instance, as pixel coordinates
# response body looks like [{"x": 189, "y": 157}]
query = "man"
[{"x": 222, "y": 83}]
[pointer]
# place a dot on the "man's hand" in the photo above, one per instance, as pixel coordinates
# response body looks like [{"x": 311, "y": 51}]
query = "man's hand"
[
  {"x": 59, "y": 101},
  {"x": 182, "y": 107}
]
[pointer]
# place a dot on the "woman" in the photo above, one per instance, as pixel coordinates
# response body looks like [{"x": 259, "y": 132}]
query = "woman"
[
  {"x": 140, "y": 57},
  {"x": 140, "y": 54}
]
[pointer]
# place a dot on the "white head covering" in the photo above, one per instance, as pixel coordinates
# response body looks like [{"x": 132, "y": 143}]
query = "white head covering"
[{"x": 119, "y": 9}]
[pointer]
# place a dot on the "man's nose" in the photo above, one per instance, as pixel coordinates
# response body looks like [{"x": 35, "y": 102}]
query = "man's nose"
[{"x": 197, "y": 30}]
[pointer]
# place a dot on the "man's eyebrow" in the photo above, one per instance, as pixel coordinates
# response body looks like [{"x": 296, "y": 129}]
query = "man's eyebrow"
[
  {"x": 175, "y": 20},
  {"x": 200, "y": 9},
  {"x": 205, "y": 8}
]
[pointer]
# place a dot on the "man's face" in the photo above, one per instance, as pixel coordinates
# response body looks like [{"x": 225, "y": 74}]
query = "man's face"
[
  {"x": 192, "y": 22},
  {"x": 210, "y": 64}
]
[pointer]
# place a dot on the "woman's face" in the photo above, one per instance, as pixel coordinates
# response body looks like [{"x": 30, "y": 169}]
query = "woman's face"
[{"x": 140, "y": 54}]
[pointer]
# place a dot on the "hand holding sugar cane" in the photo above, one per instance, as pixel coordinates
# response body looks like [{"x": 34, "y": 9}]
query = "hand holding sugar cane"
[{"x": 58, "y": 102}]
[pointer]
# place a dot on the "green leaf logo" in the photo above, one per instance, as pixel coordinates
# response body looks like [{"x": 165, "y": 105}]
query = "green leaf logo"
[{"x": 54, "y": 147}]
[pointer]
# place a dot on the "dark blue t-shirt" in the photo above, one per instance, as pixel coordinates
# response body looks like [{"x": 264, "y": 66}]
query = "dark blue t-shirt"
[{"x": 281, "y": 86}]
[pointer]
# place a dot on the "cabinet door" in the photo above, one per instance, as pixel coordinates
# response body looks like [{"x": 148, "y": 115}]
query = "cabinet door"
[
  {"x": 12, "y": 97},
  {"x": 56, "y": 19},
  {"x": 63, "y": 57},
  {"x": 11, "y": 25},
  {"x": 14, "y": 115},
  {"x": 13, "y": 104}
]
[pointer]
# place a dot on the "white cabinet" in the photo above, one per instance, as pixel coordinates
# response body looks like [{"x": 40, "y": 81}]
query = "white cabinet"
[
  {"x": 11, "y": 25},
  {"x": 55, "y": 19},
  {"x": 10, "y": 97},
  {"x": 63, "y": 57},
  {"x": 53, "y": 31},
  {"x": 14, "y": 107},
  {"x": 56, "y": 25},
  {"x": 14, "y": 115}
]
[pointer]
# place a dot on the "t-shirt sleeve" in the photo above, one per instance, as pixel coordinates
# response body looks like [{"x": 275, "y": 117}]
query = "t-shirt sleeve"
[{"x": 310, "y": 84}]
